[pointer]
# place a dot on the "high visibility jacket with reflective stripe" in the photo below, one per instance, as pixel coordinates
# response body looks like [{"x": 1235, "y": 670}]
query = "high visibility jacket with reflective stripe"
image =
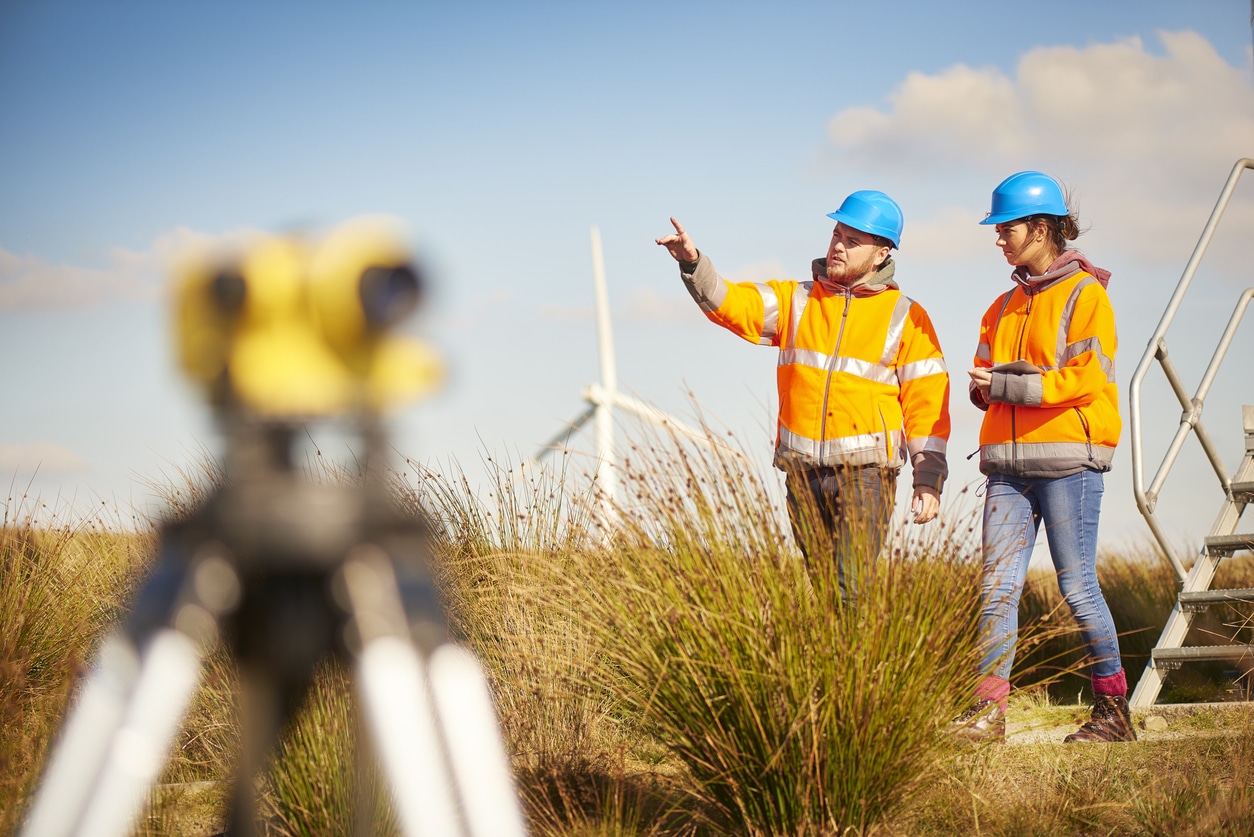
[
  {"x": 861, "y": 377},
  {"x": 1064, "y": 419}
]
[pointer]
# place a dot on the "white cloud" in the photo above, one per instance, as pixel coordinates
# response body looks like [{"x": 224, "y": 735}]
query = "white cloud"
[
  {"x": 28, "y": 282},
  {"x": 1145, "y": 140},
  {"x": 45, "y": 457},
  {"x": 645, "y": 305},
  {"x": 566, "y": 313},
  {"x": 948, "y": 235},
  {"x": 1106, "y": 103},
  {"x": 760, "y": 272}
]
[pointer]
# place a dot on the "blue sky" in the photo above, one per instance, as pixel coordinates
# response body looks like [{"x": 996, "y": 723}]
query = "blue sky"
[{"x": 500, "y": 133}]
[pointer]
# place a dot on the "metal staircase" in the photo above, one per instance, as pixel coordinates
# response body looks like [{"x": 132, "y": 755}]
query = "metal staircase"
[{"x": 1223, "y": 540}]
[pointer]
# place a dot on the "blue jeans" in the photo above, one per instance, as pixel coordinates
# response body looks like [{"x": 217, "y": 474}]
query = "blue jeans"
[
  {"x": 1013, "y": 510},
  {"x": 842, "y": 515}
]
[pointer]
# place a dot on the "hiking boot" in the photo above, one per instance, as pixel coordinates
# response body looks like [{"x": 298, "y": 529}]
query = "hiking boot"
[
  {"x": 1111, "y": 721},
  {"x": 983, "y": 723}
]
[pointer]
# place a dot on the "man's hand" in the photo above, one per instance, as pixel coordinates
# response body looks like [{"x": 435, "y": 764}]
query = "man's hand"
[
  {"x": 678, "y": 244},
  {"x": 925, "y": 504},
  {"x": 983, "y": 379}
]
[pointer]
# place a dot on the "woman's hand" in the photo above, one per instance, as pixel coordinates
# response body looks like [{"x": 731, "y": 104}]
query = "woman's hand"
[{"x": 983, "y": 379}]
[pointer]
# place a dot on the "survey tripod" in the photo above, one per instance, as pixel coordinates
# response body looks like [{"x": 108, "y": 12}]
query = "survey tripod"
[{"x": 288, "y": 571}]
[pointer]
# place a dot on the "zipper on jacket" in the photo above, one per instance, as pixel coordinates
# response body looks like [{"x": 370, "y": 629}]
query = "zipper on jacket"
[
  {"x": 1088, "y": 439},
  {"x": 888, "y": 454},
  {"x": 1023, "y": 330},
  {"x": 831, "y": 369},
  {"x": 1014, "y": 440}
]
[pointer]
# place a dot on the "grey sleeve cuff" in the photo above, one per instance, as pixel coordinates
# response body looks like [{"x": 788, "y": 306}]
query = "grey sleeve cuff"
[
  {"x": 930, "y": 470},
  {"x": 973, "y": 392},
  {"x": 1020, "y": 390},
  {"x": 703, "y": 283}
]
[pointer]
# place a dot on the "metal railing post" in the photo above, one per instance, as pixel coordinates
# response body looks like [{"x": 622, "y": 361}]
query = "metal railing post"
[{"x": 1157, "y": 350}]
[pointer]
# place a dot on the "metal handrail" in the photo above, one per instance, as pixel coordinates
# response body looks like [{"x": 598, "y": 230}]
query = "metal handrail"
[{"x": 1191, "y": 419}]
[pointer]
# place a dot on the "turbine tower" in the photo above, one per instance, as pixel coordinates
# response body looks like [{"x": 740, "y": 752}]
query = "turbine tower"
[{"x": 604, "y": 397}]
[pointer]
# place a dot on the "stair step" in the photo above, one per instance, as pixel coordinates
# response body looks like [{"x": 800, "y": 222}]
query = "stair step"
[
  {"x": 1243, "y": 492},
  {"x": 1229, "y": 544},
  {"x": 1195, "y": 653},
  {"x": 1205, "y": 598}
]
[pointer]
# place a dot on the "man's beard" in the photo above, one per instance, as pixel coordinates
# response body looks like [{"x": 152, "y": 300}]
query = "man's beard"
[{"x": 853, "y": 273}]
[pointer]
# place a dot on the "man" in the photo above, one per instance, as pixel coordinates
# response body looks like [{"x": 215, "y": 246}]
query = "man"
[{"x": 862, "y": 382}]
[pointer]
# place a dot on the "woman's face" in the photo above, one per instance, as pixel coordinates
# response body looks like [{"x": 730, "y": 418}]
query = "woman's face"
[{"x": 1023, "y": 243}]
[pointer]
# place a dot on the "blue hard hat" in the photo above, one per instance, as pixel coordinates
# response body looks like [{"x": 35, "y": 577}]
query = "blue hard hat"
[
  {"x": 872, "y": 212},
  {"x": 1026, "y": 193}
]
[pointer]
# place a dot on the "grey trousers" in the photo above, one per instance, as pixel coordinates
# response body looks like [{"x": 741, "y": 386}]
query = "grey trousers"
[{"x": 841, "y": 515}]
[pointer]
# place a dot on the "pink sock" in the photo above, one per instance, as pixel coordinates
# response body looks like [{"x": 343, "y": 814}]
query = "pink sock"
[
  {"x": 994, "y": 688},
  {"x": 1114, "y": 684}
]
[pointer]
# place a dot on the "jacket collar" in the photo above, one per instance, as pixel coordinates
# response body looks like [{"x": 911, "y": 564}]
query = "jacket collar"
[
  {"x": 1068, "y": 264},
  {"x": 878, "y": 282}
]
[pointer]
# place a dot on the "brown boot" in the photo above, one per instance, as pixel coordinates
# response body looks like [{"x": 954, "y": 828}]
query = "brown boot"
[
  {"x": 983, "y": 723},
  {"x": 1111, "y": 721}
]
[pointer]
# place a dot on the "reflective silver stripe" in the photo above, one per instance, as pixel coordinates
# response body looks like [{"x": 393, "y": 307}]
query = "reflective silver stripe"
[
  {"x": 896, "y": 328},
  {"x": 867, "y": 449},
  {"x": 1089, "y": 344},
  {"x": 925, "y": 443},
  {"x": 799, "y": 299},
  {"x": 1021, "y": 451},
  {"x": 983, "y": 352},
  {"x": 880, "y": 373},
  {"x": 804, "y": 357},
  {"x": 865, "y": 369},
  {"x": 849, "y": 365},
  {"x": 921, "y": 369},
  {"x": 770, "y": 314},
  {"x": 1064, "y": 321},
  {"x": 1001, "y": 312}
]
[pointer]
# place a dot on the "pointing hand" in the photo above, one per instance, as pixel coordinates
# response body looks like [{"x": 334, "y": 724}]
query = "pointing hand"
[{"x": 679, "y": 245}]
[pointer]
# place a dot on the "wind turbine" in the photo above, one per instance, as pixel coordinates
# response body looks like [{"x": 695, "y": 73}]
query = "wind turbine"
[{"x": 604, "y": 397}]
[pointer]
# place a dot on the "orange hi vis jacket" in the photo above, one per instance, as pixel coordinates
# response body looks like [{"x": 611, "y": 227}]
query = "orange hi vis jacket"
[
  {"x": 1062, "y": 416},
  {"x": 860, "y": 375}
]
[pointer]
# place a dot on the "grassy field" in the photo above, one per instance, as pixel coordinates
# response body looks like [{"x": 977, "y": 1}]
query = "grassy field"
[{"x": 680, "y": 674}]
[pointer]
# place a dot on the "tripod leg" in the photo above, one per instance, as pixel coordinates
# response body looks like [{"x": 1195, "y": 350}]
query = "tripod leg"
[
  {"x": 397, "y": 704},
  {"x": 406, "y": 737},
  {"x": 424, "y": 713},
  {"x": 117, "y": 737},
  {"x": 472, "y": 735},
  {"x": 84, "y": 741}
]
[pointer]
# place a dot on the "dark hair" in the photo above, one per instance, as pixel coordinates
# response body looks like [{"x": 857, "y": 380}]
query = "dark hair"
[
  {"x": 1060, "y": 228},
  {"x": 881, "y": 241}
]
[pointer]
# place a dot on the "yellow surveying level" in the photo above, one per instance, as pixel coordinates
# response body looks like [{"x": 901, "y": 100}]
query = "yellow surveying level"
[
  {"x": 287, "y": 570},
  {"x": 295, "y": 329}
]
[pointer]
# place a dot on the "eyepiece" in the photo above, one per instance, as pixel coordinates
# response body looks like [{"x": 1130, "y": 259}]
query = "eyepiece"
[
  {"x": 389, "y": 294},
  {"x": 228, "y": 290}
]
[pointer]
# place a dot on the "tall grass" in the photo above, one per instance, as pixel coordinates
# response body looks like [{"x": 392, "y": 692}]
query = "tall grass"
[
  {"x": 1140, "y": 589},
  {"x": 680, "y": 673},
  {"x": 61, "y": 581},
  {"x": 792, "y": 714},
  {"x": 1197, "y": 785},
  {"x": 499, "y": 555},
  {"x": 317, "y": 784}
]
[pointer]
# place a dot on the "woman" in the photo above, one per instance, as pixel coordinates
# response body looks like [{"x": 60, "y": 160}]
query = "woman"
[{"x": 1045, "y": 375}]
